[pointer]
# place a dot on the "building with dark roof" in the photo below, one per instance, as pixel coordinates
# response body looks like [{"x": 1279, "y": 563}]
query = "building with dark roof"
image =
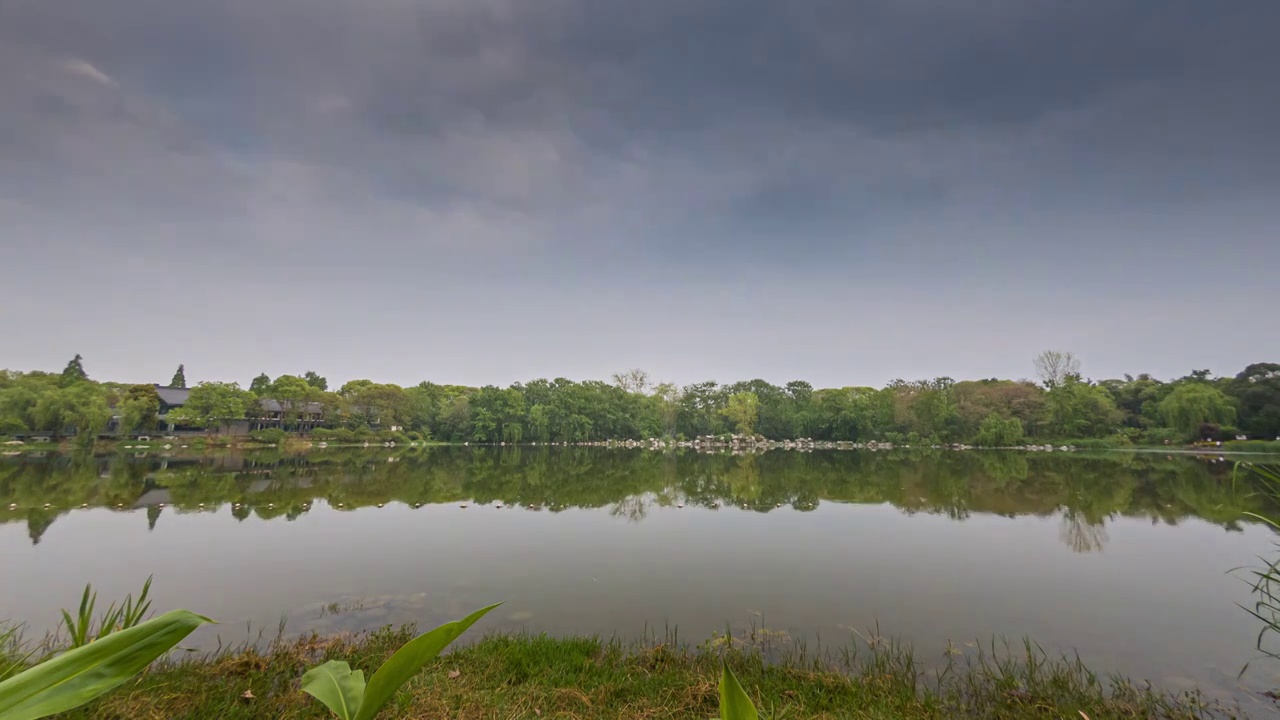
[{"x": 172, "y": 397}]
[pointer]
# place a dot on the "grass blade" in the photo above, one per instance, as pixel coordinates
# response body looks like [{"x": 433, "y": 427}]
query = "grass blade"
[
  {"x": 335, "y": 685},
  {"x": 409, "y": 660},
  {"x": 734, "y": 703},
  {"x": 80, "y": 675}
]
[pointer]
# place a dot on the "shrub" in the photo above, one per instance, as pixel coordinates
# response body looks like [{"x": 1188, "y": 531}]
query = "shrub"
[
  {"x": 1159, "y": 436},
  {"x": 11, "y": 426},
  {"x": 1106, "y": 443},
  {"x": 1209, "y": 431},
  {"x": 270, "y": 436},
  {"x": 1129, "y": 435}
]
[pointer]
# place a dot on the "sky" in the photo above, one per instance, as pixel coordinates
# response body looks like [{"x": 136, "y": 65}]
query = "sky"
[{"x": 487, "y": 191}]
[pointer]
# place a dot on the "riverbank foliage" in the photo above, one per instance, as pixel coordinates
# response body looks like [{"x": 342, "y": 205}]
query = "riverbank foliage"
[
  {"x": 1063, "y": 404},
  {"x": 525, "y": 676}
]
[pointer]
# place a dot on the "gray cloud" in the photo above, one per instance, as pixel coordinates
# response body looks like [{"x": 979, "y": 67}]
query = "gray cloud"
[{"x": 502, "y": 153}]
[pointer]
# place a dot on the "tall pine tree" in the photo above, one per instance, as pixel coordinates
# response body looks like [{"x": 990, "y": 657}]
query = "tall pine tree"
[
  {"x": 179, "y": 378},
  {"x": 74, "y": 372}
]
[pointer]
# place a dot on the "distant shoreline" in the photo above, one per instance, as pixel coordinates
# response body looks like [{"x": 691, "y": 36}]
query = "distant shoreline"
[{"x": 302, "y": 443}]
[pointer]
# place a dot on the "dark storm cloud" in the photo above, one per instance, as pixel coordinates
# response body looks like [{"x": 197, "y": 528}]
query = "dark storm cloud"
[
  {"x": 578, "y": 88},
  {"x": 381, "y": 147}
]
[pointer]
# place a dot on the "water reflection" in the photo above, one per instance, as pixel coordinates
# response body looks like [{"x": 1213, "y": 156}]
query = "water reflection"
[{"x": 1087, "y": 491}]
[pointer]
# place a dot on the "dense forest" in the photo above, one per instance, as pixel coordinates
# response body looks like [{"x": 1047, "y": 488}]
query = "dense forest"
[{"x": 1061, "y": 404}]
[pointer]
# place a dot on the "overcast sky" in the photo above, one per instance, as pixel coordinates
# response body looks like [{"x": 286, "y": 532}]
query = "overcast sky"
[{"x": 484, "y": 191}]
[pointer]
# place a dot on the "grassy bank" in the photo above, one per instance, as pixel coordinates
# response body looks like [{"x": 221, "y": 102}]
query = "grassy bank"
[{"x": 539, "y": 677}]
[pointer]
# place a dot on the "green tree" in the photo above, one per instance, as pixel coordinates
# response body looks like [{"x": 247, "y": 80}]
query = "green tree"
[
  {"x": 700, "y": 409},
  {"x": 315, "y": 381},
  {"x": 74, "y": 372},
  {"x": 743, "y": 410},
  {"x": 19, "y": 398},
  {"x": 1257, "y": 390},
  {"x": 1192, "y": 404},
  {"x": 484, "y": 427},
  {"x": 927, "y": 407},
  {"x": 179, "y": 378},
  {"x": 376, "y": 404},
  {"x": 1078, "y": 409},
  {"x": 295, "y": 396},
  {"x": 90, "y": 412},
  {"x": 667, "y": 398},
  {"x": 454, "y": 422},
  {"x": 1138, "y": 399},
  {"x": 978, "y": 399},
  {"x": 996, "y": 431},
  {"x": 53, "y": 412},
  {"x": 213, "y": 404},
  {"x": 261, "y": 385},
  {"x": 81, "y": 408},
  {"x": 140, "y": 409}
]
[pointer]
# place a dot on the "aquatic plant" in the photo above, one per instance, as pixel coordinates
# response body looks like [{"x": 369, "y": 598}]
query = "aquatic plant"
[
  {"x": 1265, "y": 579},
  {"x": 344, "y": 691},
  {"x": 84, "y": 673},
  {"x": 734, "y": 703},
  {"x": 129, "y": 614}
]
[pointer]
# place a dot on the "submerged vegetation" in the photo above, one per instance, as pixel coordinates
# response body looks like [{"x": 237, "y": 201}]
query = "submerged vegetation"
[{"x": 1062, "y": 405}]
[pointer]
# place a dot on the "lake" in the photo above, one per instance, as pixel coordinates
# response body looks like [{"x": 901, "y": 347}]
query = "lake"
[{"x": 1123, "y": 556}]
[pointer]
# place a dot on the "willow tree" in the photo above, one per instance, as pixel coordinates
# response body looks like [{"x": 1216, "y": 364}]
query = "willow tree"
[
  {"x": 1194, "y": 404},
  {"x": 743, "y": 410}
]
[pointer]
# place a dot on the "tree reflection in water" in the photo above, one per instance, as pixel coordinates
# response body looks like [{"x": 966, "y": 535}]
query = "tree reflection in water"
[{"x": 1085, "y": 490}]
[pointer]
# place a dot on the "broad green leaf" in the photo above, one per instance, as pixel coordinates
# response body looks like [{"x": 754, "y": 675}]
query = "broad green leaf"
[
  {"x": 80, "y": 675},
  {"x": 336, "y": 686},
  {"x": 409, "y": 659},
  {"x": 734, "y": 703}
]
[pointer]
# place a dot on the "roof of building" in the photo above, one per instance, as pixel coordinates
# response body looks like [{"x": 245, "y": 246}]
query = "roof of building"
[
  {"x": 156, "y": 496},
  {"x": 274, "y": 406},
  {"x": 173, "y": 396}
]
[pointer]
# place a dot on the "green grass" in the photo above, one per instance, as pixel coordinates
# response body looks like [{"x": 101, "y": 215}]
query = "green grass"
[
  {"x": 528, "y": 676},
  {"x": 1258, "y": 446}
]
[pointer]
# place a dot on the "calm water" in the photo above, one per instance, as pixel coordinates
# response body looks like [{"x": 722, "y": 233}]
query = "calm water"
[{"x": 1123, "y": 557}]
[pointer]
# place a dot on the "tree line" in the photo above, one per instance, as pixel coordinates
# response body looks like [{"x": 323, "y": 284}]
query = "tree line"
[{"x": 1061, "y": 404}]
